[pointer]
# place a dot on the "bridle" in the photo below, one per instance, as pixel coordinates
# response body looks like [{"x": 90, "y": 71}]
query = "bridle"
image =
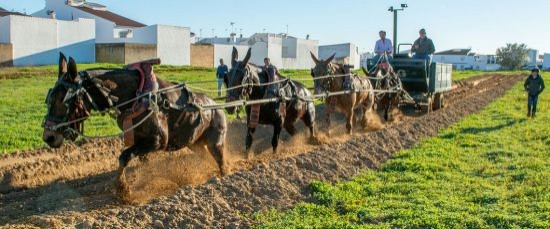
[
  {"x": 325, "y": 82},
  {"x": 246, "y": 84},
  {"x": 77, "y": 101}
]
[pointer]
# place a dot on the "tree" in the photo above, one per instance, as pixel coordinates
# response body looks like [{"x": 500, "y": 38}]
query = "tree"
[{"x": 512, "y": 56}]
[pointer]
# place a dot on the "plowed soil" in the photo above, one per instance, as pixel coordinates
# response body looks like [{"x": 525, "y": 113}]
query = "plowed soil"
[{"x": 74, "y": 185}]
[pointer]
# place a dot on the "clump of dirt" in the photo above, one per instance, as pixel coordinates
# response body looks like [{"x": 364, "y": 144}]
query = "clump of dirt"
[{"x": 73, "y": 186}]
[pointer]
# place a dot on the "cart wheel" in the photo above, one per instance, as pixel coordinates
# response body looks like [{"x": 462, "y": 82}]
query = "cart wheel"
[{"x": 439, "y": 101}]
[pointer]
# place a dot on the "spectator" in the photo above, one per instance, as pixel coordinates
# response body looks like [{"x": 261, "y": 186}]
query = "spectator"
[
  {"x": 220, "y": 74},
  {"x": 534, "y": 85}
]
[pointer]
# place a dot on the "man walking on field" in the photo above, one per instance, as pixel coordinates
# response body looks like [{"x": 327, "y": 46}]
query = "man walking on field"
[{"x": 534, "y": 85}]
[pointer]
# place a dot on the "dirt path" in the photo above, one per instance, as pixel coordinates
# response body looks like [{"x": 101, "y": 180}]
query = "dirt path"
[{"x": 74, "y": 185}]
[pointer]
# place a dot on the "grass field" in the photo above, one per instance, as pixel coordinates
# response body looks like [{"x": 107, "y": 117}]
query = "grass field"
[
  {"x": 23, "y": 91},
  {"x": 490, "y": 170}
]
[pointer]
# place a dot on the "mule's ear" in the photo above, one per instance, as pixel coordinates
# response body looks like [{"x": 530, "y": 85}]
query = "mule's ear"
[
  {"x": 315, "y": 60},
  {"x": 330, "y": 59},
  {"x": 365, "y": 71},
  {"x": 62, "y": 64},
  {"x": 312, "y": 74},
  {"x": 71, "y": 69},
  {"x": 234, "y": 57},
  {"x": 247, "y": 57}
]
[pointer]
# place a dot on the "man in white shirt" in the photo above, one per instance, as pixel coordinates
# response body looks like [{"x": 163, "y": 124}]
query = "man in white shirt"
[{"x": 383, "y": 46}]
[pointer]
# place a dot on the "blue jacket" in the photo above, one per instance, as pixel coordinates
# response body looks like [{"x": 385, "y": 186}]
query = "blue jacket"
[{"x": 222, "y": 70}]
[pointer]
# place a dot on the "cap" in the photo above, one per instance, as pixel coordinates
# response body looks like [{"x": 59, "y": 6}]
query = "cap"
[{"x": 422, "y": 31}]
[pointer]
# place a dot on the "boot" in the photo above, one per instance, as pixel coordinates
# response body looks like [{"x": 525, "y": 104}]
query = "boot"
[
  {"x": 533, "y": 114},
  {"x": 529, "y": 114},
  {"x": 529, "y": 111}
]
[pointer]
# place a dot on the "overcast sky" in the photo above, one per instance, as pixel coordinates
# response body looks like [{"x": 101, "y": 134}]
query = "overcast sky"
[{"x": 481, "y": 25}]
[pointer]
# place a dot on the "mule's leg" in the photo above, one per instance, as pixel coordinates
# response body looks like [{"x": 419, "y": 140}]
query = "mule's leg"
[
  {"x": 327, "y": 121},
  {"x": 350, "y": 115},
  {"x": 291, "y": 129},
  {"x": 249, "y": 139},
  {"x": 309, "y": 121},
  {"x": 275, "y": 140},
  {"x": 142, "y": 147},
  {"x": 216, "y": 148}
]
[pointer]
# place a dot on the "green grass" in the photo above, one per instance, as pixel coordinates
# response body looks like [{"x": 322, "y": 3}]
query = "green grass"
[
  {"x": 490, "y": 170},
  {"x": 23, "y": 91}
]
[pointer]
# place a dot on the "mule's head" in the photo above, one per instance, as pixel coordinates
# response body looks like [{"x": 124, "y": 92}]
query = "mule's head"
[
  {"x": 322, "y": 69},
  {"x": 238, "y": 75},
  {"x": 62, "y": 100}
]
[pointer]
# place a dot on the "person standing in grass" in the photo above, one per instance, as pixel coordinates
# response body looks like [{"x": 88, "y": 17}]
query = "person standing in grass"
[
  {"x": 220, "y": 74},
  {"x": 534, "y": 85}
]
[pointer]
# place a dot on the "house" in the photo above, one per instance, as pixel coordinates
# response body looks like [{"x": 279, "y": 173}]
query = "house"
[
  {"x": 461, "y": 59},
  {"x": 345, "y": 54},
  {"x": 546, "y": 62},
  {"x": 26, "y": 40},
  {"x": 486, "y": 63},
  {"x": 532, "y": 57},
  {"x": 285, "y": 52},
  {"x": 123, "y": 40}
]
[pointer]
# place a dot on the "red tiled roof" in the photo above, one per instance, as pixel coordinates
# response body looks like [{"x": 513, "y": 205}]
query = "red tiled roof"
[{"x": 110, "y": 16}]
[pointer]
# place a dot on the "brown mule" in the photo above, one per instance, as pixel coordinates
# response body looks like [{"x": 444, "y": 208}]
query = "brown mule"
[
  {"x": 176, "y": 122},
  {"x": 363, "y": 98}
]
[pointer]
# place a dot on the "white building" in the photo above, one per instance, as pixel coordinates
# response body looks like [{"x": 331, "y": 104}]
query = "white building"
[
  {"x": 486, "y": 63},
  {"x": 532, "y": 57},
  {"x": 172, "y": 42},
  {"x": 546, "y": 62},
  {"x": 462, "y": 59},
  {"x": 38, "y": 41},
  {"x": 345, "y": 54},
  {"x": 285, "y": 52}
]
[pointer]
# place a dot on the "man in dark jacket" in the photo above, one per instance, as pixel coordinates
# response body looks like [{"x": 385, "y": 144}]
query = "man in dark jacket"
[
  {"x": 423, "y": 47},
  {"x": 534, "y": 85},
  {"x": 220, "y": 74}
]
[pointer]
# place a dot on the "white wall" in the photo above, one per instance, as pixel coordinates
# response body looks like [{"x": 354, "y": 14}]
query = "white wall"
[
  {"x": 546, "y": 62},
  {"x": 174, "y": 45},
  {"x": 348, "y": 51},
  {"x": 104, "y": 29},
  {"x": 460, "y": 62},
  {"x": 38, "y": 41},
  {"x": 225, "y": 52},
  {"x": 302, "y": 58}
]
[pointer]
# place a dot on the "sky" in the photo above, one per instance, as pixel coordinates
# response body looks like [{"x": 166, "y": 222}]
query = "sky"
[{"x": 483, "y": 25}]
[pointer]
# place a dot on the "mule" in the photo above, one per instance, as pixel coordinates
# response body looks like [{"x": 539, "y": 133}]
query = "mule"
[
  {"x": 171, "y": 124},
  {"x": 280, "y": 114},
  {"x": 386, "y": 79},
  {"x": 363, "y": 97}
]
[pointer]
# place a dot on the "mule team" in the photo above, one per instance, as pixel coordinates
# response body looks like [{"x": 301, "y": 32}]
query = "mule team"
[{"x": 174, "y": 118}]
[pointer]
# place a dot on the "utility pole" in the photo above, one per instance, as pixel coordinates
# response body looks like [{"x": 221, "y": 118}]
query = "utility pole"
[{"x": 394, "y": 10}]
